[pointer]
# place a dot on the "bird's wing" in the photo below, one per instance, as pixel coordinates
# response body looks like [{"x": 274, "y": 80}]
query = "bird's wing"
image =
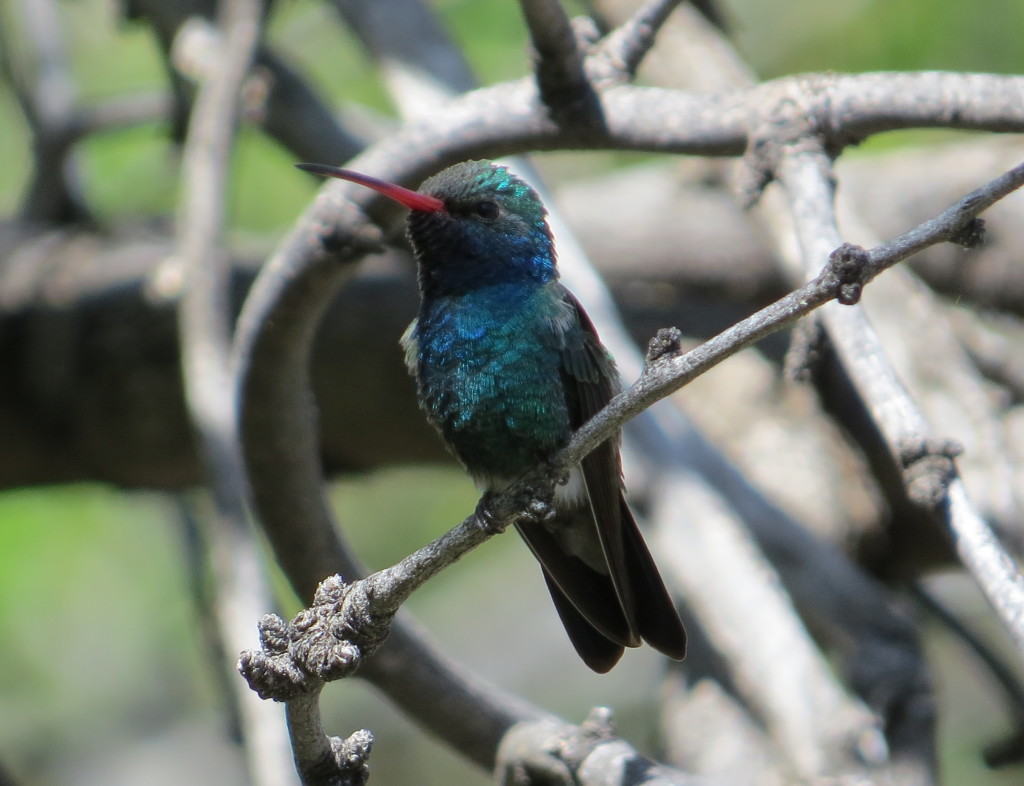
[{"x": 590, "y": 381}]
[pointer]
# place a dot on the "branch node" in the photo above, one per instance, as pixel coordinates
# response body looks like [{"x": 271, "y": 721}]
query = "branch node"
[
  {"x": 791, "y": 121},
  {"x": 666, "y": 343},
  {"x": 330, "y": 590},
  {"x": 849, "y": 265},
  {"x": 339, "y": 762},
  {"x": 331, "y": 638},
  {"x": 529, "y": 500},
  {"x": 586, "y": 31},
  {"x": 326, "y": 642},
  {"x": 928, "y": 468},
  {"x": 352, "y": 758},
  {"x": 273, "y": 634},
  {"x": 272, "y": 672},
  {"x": 970, "y": 235}
]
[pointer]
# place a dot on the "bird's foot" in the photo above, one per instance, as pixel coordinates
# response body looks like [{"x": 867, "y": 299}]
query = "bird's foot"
[
  {"x": 522, "y": 503},
  {"x": 486, "y": 516},
  {"x": 539, "y": 510},
  {"x": 539, "y": 500}
]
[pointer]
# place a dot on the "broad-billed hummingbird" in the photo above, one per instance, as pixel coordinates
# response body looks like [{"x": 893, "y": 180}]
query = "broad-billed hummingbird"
[{"x": 507, "y": 365}]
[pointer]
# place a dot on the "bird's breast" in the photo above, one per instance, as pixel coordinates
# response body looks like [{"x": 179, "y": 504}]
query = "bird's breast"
[{"x": 488, "y": 373}]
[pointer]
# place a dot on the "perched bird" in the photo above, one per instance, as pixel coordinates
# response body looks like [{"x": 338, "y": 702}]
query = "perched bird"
[{"x": 507, "y": 366}]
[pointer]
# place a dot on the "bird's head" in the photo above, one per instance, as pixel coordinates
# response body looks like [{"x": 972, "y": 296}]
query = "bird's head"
[{"x": 471, "y": 225}]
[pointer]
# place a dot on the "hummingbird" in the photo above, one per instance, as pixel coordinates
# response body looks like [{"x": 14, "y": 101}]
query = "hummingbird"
[{"x": 507, "y": 366}]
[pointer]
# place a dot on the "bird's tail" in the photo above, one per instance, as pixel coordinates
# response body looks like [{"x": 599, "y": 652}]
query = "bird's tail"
[{"x": 599, "y": 617}]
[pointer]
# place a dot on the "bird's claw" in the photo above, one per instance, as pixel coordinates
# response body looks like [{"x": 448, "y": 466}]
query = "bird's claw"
[
  {"x": 539, "y": 510},
  {"x": 485, "y": 516}
]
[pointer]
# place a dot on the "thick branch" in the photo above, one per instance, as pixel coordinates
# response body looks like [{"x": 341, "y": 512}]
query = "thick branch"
[{"x": 562, "y": 80}]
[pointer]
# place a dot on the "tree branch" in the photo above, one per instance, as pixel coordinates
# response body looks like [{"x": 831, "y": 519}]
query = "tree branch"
[
  {"x": 931, "y": 477},
  {"x": 204, "y": 325},
  {"x": 625, "y": 47},
  {"x": 559, "y": 67},
  {"x": 294, "y": 289},
  {"x": 48, "y": 99},
  {"x": 364, "y": 609},
  {"x": 842, "y": 277}
]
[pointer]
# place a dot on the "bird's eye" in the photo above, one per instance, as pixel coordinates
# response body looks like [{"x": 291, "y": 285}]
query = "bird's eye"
[{"x": 487, "y": 210}]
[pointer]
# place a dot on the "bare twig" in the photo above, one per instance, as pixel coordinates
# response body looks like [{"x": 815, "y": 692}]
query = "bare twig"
[
  {"x": 204, "y": 325},
  {"x": 291, "y": 110},
  {"x": 300, "y": 119},
  {"x": 626, "y": 46},
  {"x": 204, "y": 321},
  {"x": 203, "y": 594},
  {"x": 323, "y": 760},
  {"x": 931, "y": 475},
  {"x": 838, "y": 279},
  {"x": 118, "y": 113}
]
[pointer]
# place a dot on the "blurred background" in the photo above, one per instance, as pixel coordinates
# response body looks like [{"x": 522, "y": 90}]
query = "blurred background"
[{"x": 85, "y": 564}]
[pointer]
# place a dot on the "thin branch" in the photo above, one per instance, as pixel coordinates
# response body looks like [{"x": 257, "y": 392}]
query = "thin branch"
[
  {"x": 204, "y": 325},
  {"x": 671, "y": 373},
  {"x": 506, "y": 119},
  {"x": 323, "y": 760},
  {"x": 298, "y": 117},
  {"x": 118, "y": 113},
  {"x": 204, "y": 320},
  {"x": 627, "y": 45},
  {"x": 930, "y": 474},
  {"x": 203, "y": 594},
  {"x": 292, "y": 112}
]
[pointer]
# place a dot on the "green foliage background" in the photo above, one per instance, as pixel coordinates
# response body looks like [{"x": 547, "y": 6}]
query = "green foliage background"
[{"x": 100, "y": 652}]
